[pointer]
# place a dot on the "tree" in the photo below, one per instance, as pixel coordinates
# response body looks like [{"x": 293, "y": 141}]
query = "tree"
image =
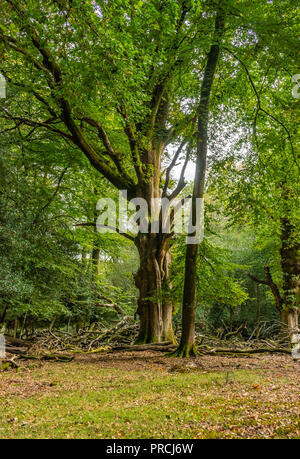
[
  {"x": 118, "y": 100},
  {"x": 187, "y": 343}
]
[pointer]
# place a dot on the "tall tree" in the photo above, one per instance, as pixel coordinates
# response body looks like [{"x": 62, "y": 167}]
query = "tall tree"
[
  {"x": 112, "y": 80},
  {"x": 187, "y": 343}
]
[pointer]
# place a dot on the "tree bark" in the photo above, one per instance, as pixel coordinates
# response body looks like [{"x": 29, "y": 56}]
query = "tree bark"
[{"x": 154, "y": 311}]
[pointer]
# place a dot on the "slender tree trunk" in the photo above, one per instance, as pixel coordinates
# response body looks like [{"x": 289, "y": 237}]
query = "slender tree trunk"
[
  {"x": 96, "y": 261},
  {"x": 231, "y": 316},
  {"x": 167, "y": 303},
  {"x": 16, "y": 324},
  {"x": 167, "y": 325},
  {"x": 258, "y": 310},
  {"x": 52, "y": 323},
  {"x": 290, "y": 263},
  {"x": 96, "y": 248},
  {"x": 23, "y": 325},
  {"x": 187, "y": 343},
  {"x": 3, "y": 315}
]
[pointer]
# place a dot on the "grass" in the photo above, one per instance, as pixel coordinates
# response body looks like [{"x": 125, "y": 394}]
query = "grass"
[{"x": 81, "y": 400}]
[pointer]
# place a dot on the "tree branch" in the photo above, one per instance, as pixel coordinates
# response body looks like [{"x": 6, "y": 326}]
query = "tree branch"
[{"x": 93, "y": 224}]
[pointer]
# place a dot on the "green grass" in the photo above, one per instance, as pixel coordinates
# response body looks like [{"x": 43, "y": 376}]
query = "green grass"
[{"x": 76, "y": 400}]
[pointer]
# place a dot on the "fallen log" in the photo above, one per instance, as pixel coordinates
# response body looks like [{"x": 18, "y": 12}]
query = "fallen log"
[
  {"x": 15, "y": 350},
  {"x": 55, "y": 357},
  {"x": 16, "y": 341},
  {"x": 249, "y": 351}
]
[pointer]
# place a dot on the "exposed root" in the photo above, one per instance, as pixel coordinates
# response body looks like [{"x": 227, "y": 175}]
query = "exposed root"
[
  {"x": 163, "y": 346},
  {"x": 184, "y": 351}
]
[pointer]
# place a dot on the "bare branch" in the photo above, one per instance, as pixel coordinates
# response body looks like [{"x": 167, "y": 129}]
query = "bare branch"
[{"x": 170, "y": 167}]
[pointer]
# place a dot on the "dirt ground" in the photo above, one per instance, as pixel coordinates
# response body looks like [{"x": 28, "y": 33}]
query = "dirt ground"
[
  {"x": 106, "y": 395},
  {"x": 281, "y": 364}
]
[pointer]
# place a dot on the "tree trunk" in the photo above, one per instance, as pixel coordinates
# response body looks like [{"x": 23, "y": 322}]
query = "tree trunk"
[
  {"x": 52, "y": 323},
  {"x": 187, "y": 343},
  {"x": 290, "y": 263},
  {"x": 152, "y": 279},
  {"x": 155, "y": 312},
  {"x": 167, "y": 303},
  {"x": 289, "y": 320},
  {"x": 16, "y": 324},
  {"x": 96, "y": 262},
  {"x": 167, "y": 333},
  {"x": 293, "y": 321},
  {"x": 258, "y": 311},
  {"x": 3, "y": 315},
  {"x": 23, "y": 325}
]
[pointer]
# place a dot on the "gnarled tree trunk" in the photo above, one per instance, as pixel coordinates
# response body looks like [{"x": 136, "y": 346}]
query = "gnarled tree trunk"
[{"x": 154, "y": 310}]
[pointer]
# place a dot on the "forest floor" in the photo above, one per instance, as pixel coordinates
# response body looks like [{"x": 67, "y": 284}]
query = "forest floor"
[{"x": 147, "y": 395}]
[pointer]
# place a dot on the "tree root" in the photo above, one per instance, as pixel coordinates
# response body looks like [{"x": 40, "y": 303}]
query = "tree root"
[
  {"x": 164, "y": 346},
  {"x": 184, "y": 351}
]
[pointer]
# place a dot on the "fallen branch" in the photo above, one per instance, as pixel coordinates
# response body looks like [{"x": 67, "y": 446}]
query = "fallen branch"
[
  {"x": 55, "y": 357},
  {"x": 249, "y": 351},
  {"x": 16, "y": 341},
  {"x": 15, "y": 350}
]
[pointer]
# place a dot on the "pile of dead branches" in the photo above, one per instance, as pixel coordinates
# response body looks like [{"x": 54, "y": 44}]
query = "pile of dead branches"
[
  {"x": 62, "y": 346},
  {"x": 19, "y": 349},
  {"x": 124, "y": 332}
]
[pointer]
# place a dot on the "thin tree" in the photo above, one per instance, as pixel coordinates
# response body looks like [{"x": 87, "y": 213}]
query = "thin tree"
[{"x": 187, "y": 344}]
